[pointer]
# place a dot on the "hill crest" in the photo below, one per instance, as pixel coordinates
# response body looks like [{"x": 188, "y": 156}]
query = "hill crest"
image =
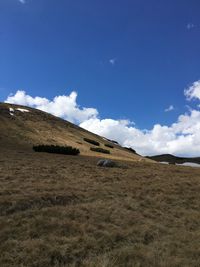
[
  {"x": 22, "y": 126},
  {"x": 169, "y": 158}
]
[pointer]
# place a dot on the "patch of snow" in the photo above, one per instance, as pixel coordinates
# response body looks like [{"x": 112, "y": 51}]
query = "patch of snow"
[
  {"x": 22, "y": 110},
  {"x": 11, "y": 111},
  {"x": 163, "y": 162},
  {"x": 190, "y": 164}
]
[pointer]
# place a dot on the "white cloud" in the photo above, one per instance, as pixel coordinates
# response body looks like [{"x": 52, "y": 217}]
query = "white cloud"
[
  {"x": 190, "y": 26},
  {"x": 112, "y": 61},
  {"x": 64, "y": 106},
  {"x": 193, "y": 91},
  {"x": 22, "y": 1},
  {"x": 179, "y": 138},
  {"x": 170, "y": 108}
]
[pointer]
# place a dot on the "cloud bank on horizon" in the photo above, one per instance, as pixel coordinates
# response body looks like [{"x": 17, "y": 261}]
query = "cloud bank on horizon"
[{"x": 180, "y": 138}]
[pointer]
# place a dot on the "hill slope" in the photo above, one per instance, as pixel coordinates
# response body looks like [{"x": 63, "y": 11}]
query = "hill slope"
[
  {"x": 24, "y": 127},
  {"x": 173, "y": 159},
  {"x": 65, "y": 211}
]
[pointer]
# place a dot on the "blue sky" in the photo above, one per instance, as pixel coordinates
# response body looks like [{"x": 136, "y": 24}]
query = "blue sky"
[{"x": 128, "y": 59}]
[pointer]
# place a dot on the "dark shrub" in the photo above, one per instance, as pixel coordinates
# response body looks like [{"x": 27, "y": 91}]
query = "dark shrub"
[
  {"x": 66, "y": 150},
  {"x": 99, "y": 149},
  {"x": 130, "y": 149},
  {"x": 108, "y": 145},
  {"x": 91, "y": 141},
  {"x": 113, "y": 141}
]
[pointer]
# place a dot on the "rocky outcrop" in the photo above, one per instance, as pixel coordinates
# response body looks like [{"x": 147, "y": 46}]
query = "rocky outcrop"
[{"x": 106, "y": 163}]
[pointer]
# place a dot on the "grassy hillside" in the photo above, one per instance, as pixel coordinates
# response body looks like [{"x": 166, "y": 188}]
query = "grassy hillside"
[
  {"x": 64, "y": 211},
  {"x": 24, "y": 127},
  {"x": 58, "y": 210}
]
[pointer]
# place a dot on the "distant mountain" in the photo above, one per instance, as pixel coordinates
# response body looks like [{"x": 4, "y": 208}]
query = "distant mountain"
[
  {"x": 24, "y": 127},
  {"x": 173, "y": 159}
]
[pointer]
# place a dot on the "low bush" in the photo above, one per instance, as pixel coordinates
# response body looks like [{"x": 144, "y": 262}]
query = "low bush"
[
  {"x": 130, "y": 149},
  {"x": 66, "y": 150},
  {"x": 99, "y": 149},
  {"x": 115, "y": 142},
  {"x": 93, "y": 142},
  {"x": 108, "y": 145}
]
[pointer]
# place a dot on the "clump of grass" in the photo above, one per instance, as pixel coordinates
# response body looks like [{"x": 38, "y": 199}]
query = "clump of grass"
[
  {"x": 99, "y": 149},
  {"x": 66, "y": 150},
  {"x": 109, "y": 145},
  {"x": 93, "y": 142}
]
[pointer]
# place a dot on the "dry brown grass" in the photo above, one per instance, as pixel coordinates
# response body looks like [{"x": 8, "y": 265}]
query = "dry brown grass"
[
  {"x": 58, "y": 211},
  {"x": 38, "y": 127}
]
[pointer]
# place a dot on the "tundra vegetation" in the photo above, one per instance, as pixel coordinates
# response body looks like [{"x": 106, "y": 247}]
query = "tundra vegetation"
[
  {"x": 93, "y": 142},
  {"x": 130, "y": 149},
  {"x": 100, "y": 150},
  {"x": 67, "y": 150},
  {"x": 65, "y": 211},
  {"x": 58, "y": 211},
  {"x": 109, "y": 145}
]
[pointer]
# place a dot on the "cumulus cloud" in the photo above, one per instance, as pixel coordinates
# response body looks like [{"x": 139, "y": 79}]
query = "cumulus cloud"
[
  {"x": 193, "y": 91},
  {"x": 190, "y": 26},
  {"x": 180, "y": 138},
  {"x": 170, "y": 108},
  {"x": 64, "y": 106},
  {"x": 112, "y": 61}
]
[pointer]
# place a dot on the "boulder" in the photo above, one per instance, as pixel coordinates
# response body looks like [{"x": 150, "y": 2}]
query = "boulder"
[
  {"x": 100, "y": 162},
  {"x": 106, "y": 163}
]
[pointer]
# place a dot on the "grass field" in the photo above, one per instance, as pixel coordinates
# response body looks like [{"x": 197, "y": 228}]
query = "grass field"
[{"x": 58, "y": 210}]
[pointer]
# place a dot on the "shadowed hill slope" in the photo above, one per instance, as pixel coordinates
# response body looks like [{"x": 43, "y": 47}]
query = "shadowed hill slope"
[
  {"x": 24, "y": 127},
  {"x": 174, "y": 160}
]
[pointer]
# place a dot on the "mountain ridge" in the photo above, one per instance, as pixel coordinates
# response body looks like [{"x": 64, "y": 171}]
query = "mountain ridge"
[{"x": 174, "y": 159}]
